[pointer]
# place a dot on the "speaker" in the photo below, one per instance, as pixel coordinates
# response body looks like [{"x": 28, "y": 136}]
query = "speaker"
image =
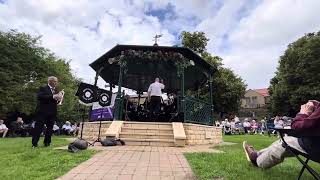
[
  {"x": 104, "y": 97},
  {"x": 87, "y": 93}
]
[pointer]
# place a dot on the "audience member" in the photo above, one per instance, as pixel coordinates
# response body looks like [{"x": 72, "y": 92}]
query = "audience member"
[
  {"x": 278, "y": 122},
  {"x": 74, "y": 129},
  {"x": 66, "y": 128},
  {"x": 18, "y": 129},
  {"x": 307, "y": 120},
  {"x": 246, "y": 125},
  {"x": 3, "y": 128},
  {"x": 254, "y": 126},
  {"x": 262, "y": 126},
  {"x": 56, "y": 129}
]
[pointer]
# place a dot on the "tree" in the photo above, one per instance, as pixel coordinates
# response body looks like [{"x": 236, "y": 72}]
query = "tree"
[
  {"x": 228, "y": 88},
  {"x": 24, "y": 67},
  {"x": 298, "y": 77},
  {"x": 196, "y": 41}
]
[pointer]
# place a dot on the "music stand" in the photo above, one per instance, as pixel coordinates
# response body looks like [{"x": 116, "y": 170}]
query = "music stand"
[
  {"x": 82, "y": 123},
  {"x": 104, "y": 99}
]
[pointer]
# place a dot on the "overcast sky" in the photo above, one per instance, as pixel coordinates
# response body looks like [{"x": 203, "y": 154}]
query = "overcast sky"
[{"x": 249, "y": 35}]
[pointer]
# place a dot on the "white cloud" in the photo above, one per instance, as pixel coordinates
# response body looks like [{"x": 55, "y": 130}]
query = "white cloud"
[
  {"x": 262, "y": 37},
  {"x": 67, "y": 27},
  {"x": 249, "y": 35}
]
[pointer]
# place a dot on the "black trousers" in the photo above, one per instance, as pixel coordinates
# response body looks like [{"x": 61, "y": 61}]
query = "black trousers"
[
  {"x": 155, "y": 104},
  {"x": 42, "y": 120}
]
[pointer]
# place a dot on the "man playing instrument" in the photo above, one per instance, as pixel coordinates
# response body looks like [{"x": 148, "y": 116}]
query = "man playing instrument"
[{"x": 46, "y": 112}]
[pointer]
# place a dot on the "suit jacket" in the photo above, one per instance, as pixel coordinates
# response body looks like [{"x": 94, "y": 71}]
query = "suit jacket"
[{"x": 46, "y": 105}]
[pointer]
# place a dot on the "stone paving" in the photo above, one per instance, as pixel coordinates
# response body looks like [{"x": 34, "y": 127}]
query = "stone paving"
[{"x": 137, "y": 163}]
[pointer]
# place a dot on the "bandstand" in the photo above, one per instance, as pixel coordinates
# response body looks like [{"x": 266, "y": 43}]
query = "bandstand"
[{"x": 188, "y": 121}]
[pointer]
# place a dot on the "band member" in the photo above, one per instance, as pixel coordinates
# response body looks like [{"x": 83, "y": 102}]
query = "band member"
[
  {"x": 46, "y": 112},
  {"x": 154, "y": 95}
]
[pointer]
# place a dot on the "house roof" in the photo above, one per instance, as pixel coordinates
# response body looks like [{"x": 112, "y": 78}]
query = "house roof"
[{"x": 264, "y": 92}]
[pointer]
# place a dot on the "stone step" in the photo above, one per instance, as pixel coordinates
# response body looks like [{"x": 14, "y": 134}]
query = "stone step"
[
  {"x": 148, "y": 142},
  {"x": 146, "y": 135},
  {"x": 147, "y": 125},
  {"x": 147, "y": 130}
]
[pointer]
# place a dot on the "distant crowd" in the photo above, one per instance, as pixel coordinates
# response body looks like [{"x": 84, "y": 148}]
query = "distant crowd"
[
  {"x": 18, "y": 128},
  {"x": 253, "y": 126}
]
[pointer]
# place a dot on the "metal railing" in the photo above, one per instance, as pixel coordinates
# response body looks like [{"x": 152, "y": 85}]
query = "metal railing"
[{"x": 197, "y": 111}]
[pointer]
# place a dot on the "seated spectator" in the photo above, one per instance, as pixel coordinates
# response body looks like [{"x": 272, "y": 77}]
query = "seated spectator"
[
  {"x": 18, "y": 128},
  {"x": 263, "y": 126},
  {"x": 66, "y": 128},
  {"x": 246, "y": 125},
  {"x": 74, "y": 129},
  {"x": 278, "y": 122},
  {"x": 254, "y": 126},
  {"x": 56, "y": 129},
  {"x": 227, "y": 127},
  {"x": 233, "y": 126},
  {"x": 238, "y": 128},
  {"x": 3, "y": 128},
  {"x": 307, "y": 120},
  {"x": 217, "y": 123}
]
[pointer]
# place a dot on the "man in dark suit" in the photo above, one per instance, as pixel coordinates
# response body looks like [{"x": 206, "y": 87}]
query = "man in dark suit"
[{"x": 46, "y": 111}]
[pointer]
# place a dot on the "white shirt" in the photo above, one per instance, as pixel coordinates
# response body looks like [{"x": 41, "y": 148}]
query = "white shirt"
[
  {"x": 246, "y": 124},
  {"x": 155, "y": 89},
  {"x": 55, "y": 127},
  {"x": 3, "y": 127},
  {"x": 66, "y": 127}
]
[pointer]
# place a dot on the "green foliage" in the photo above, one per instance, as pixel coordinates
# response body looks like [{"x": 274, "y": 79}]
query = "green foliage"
[
  {"x": 20, "y": 161},
  {"x": 24, "y": 67},
  {"x": 228, "y": 88},
  {"x": 297, "y": 78},
  {"x": 197, "y": 41},
  {"x": 232, "y": 163}
]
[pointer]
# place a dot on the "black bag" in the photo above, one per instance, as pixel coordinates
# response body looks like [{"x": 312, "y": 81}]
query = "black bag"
[
  {"x": 77, "y": 145},
  {"x": 112, "y": 142},
  {"x": 72, "y": 148}
]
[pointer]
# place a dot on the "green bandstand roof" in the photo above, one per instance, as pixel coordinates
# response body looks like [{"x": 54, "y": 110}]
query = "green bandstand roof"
[{"x": 145, "y": 63}]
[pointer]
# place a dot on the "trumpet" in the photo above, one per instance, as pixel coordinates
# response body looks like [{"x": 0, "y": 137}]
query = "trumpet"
[{"x": 62, "y": 94}]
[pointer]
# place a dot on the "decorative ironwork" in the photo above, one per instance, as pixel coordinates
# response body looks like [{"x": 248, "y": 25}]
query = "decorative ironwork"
[{"x": 197, "y": 111}]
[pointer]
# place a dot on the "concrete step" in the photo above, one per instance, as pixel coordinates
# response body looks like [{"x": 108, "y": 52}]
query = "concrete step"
[
  {"x": 146, "y": 135},
  {"x": 147, "y": 130},
  {"x": 147, "y": 125},
  {"x": 148, "y": 142}
]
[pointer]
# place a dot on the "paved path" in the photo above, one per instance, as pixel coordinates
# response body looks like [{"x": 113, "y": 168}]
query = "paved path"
[{"x": 136, "y": 163}]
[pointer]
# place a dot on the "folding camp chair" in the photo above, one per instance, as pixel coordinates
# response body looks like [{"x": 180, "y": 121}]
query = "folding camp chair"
[{"x": 297, "y": 154}]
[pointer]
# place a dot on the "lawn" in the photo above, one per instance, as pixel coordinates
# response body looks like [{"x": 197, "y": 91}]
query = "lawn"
[
  {"x": 233, "y": 164},
  {"x": 20, "y": 161}
]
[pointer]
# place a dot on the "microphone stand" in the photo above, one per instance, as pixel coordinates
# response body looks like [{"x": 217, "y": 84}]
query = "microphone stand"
[
  {"x": 99, "y": 132},
  {"x": 82, "y": 123}
]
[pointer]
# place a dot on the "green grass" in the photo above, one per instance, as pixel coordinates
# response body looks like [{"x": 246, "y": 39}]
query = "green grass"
[
  {"x": 233, "y": 164},
  {"x": 19, "y": 161}
]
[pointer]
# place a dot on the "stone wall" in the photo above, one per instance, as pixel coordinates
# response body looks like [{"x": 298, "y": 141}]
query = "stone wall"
[
  {"x": 91, "y": 130},
  {"x": 201, "y": 134}
]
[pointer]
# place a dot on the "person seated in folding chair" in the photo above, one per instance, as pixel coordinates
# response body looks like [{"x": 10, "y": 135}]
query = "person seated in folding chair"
[{"x": 307, "y": 120}]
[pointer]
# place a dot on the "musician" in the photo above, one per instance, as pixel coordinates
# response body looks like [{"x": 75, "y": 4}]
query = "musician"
[
  {"x": 154, "y": 96},
  {"x": 46, "y": 111}
]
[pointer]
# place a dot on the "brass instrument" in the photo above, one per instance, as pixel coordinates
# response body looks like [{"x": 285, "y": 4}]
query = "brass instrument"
[{"x": 62, "y": 93}]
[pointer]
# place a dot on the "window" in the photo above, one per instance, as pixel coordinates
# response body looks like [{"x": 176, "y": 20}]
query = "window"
[
  {"x": 247, "y": 100},
  {"x": 254, "y": 99}
]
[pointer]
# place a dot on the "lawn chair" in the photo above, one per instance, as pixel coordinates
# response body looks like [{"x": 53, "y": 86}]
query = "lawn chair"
[{"x": 297, "y": 154}]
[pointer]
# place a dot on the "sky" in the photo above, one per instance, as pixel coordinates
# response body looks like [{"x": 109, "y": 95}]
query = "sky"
[{"x": 250, "y": 35}]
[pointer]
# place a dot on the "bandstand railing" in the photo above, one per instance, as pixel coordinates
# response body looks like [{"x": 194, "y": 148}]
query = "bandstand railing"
[{"x": 197, "y": 111}]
